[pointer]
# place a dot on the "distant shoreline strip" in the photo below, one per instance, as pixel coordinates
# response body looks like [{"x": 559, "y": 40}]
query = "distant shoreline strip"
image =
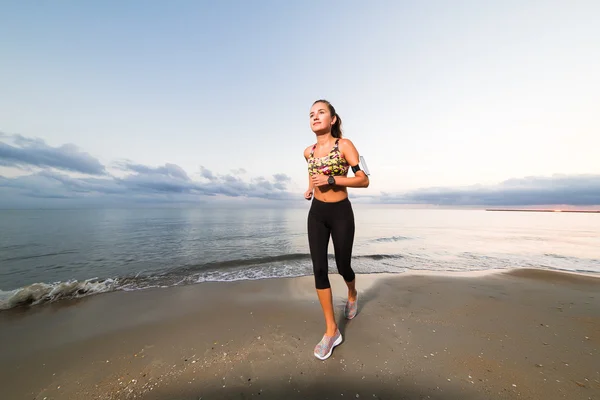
[{"x": 542, "y": 210}]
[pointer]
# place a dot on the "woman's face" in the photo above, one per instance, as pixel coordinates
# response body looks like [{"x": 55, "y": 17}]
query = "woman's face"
[{"x": 320, "y": 118}]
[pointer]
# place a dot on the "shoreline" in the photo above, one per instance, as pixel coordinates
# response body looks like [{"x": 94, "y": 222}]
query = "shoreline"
[
  {"x": 29, "y": 304},
  {"x": 518, "y": 333},
  {"x": 543, "y": 210}
]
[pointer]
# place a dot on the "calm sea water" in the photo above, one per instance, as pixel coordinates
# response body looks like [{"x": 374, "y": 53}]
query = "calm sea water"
[{"x": 50, "y": 254}]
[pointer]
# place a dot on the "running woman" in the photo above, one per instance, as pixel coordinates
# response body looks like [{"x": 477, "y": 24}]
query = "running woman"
[{"x": 331, "y": 214}]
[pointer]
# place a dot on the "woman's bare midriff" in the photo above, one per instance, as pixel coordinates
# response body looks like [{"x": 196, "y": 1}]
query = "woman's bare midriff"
[{"x": 331, "y": 194}]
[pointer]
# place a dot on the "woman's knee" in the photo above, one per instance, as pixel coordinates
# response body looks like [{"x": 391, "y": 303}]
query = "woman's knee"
[
  {"x": 322, "y": 281},
  {"x": 346, "y": 272}
]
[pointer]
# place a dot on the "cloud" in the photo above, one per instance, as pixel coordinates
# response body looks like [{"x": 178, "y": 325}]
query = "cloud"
[
  {"x": 206, "y": 173},
  {"x": 144, "y": 182},
  {"x": 282, "y": 177},
  {"x": 141, "y": 183},
  {"x": 169, "y": 183},
  {"x": 281, "y": 181},
  {"x": 49, "y": 184},
  {"x": 576, "y": 190},
  {"x": 168, "y": 170},
  {"x": 26, "y": 153},
  {"x": 231, "y": 185}
]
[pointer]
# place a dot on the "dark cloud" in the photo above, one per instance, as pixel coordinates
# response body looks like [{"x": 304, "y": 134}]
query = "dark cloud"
[
  {"x": 577, "y": 190},
  {"x": 281, "y": 181},
  {"x": 162, "y": 183},
  {"x": 26, "y": 153},
  {"x": 206, "y": 173},
  {"x": 231, "y": 185},
  {"x": 168, "y": 183},
  {"x": 282, "y": 177},
  {"x": 168, "y": 170},
  {"x": 261, "y": 182},
  {"x": 48, "y": 184},
  {"x": 84, "y": 185}
]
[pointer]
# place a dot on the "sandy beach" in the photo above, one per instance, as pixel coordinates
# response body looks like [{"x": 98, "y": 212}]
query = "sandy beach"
[{"x": 522, "y": 334}]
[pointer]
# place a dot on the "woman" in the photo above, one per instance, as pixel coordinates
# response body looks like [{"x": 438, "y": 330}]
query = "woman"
[{"x": 331, "y": 214}]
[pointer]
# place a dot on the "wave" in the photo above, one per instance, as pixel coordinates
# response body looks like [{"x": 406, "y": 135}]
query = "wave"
[
  {"x": 392, "y": 239},
  {"x": 559, "y": 256},
  {"x": 248, "y": 261},
  {"x": 380, "y": 256},
  {"x": 295, "y": 257},
  {"x": 38, "y": 293},
  {"x": 40, "y": 255},
  {"x": 18, "y": 246},
  {"x": 571, "y": 260},
  {"x": 279, "y": 266}
]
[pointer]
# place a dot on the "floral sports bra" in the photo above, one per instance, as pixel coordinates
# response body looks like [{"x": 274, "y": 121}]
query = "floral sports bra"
[{"x": 332, "y": 164}]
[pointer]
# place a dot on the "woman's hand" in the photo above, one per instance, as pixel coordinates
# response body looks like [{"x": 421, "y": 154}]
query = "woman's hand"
[
  {"x": 308, "y": 194},
  {"x": 319, "y": 180}
]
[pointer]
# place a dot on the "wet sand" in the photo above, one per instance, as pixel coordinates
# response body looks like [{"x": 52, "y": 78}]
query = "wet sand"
[{"x": 524, "y": 334}]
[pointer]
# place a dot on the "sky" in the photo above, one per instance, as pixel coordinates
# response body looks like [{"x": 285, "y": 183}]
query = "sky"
[{"x": 450, "y": 103}]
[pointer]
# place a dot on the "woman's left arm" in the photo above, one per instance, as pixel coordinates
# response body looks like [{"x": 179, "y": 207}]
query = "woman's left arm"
[{"x": 360, "y": 179}]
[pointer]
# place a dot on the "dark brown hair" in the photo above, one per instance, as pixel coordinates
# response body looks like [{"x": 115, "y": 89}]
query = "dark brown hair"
[{"x": 336, "y": 129}]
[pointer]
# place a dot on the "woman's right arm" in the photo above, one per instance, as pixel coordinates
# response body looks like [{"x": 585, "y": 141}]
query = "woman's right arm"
[{"x": 309, "y": 191}]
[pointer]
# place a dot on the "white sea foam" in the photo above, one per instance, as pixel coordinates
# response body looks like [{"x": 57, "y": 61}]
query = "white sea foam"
[
  {"x": 37, "y": 293},
  {"x": 284, "y": 267}
]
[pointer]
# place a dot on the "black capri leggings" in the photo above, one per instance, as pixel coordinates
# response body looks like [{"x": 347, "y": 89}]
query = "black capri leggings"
[{"x": 335, "y": 219}]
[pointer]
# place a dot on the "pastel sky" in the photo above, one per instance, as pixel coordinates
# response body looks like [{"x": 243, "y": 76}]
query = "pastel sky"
[{"x": 450, "y": 102}]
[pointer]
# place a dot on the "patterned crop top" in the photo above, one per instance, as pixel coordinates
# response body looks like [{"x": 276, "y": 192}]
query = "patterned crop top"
[{"x": 332, "y": 164}]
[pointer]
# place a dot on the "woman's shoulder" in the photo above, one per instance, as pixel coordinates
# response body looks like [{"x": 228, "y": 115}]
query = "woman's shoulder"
[
  {"x": 308, "y": 150},
  {"x": 345, "y": 143}
]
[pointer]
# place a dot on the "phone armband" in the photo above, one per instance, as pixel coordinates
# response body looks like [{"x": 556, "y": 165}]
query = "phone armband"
[{"x": 362, "y": 164}]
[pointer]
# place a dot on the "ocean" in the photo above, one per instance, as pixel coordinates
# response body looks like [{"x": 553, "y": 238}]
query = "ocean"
[{"x": 47, "y": 255}]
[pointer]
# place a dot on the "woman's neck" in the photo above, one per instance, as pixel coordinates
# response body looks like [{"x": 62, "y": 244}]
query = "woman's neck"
[{"x": 325, "y": 139}]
